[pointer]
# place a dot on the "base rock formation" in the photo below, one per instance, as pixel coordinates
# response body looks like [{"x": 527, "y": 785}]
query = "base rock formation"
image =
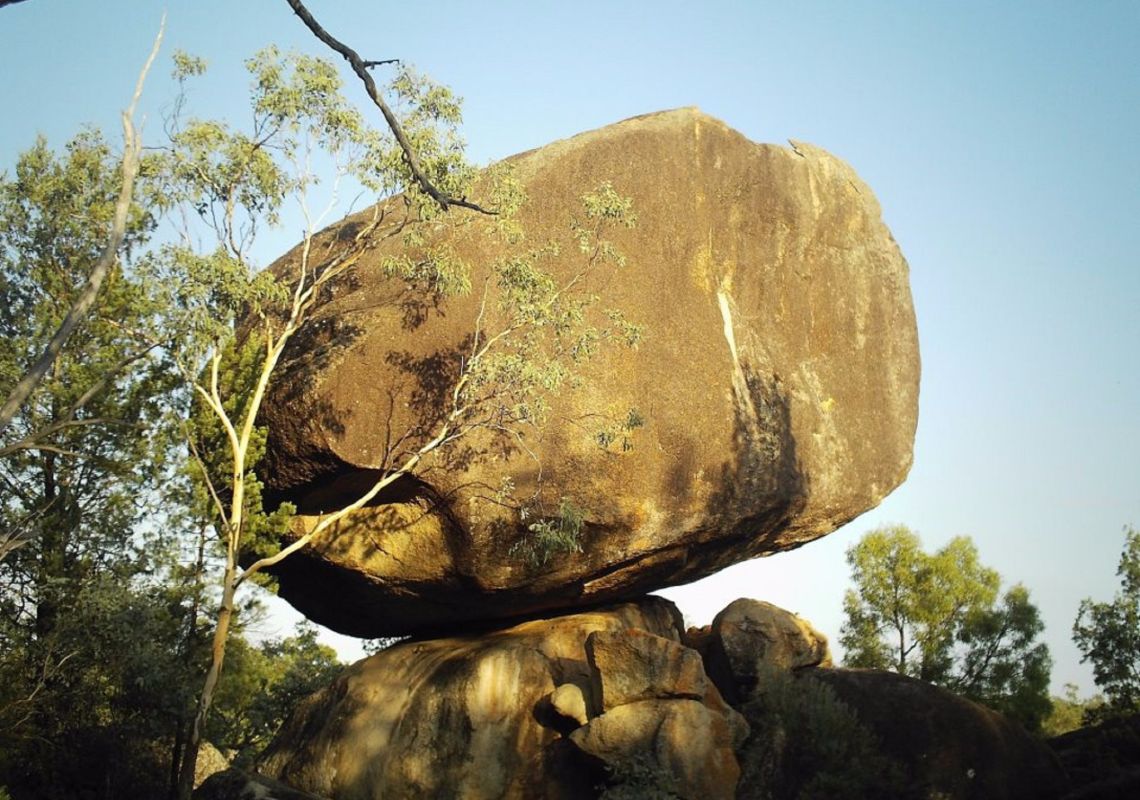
[
  {"x": 537, "y": 710},
  {"x": 777, "y": 379},
  {"x": 616, "y": 703}
]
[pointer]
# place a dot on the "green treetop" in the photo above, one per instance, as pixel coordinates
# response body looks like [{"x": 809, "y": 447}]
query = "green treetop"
[
  {"x": 939, "y": 617},
  {"x": 1108, "y": 635}
]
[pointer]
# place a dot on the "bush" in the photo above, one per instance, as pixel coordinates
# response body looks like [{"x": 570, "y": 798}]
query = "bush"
[
  {"x": 807, "y": 744},
  {"x": 638, "y": 778}
]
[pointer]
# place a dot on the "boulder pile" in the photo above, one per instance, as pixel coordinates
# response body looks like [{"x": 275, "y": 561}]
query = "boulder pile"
[
  {"x": 537, "y": 710},
  {"x": 618, "y": 703},
  {"x": 776, "y": 387}
]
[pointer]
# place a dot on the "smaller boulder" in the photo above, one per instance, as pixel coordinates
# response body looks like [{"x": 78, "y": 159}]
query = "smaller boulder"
[
  {"x": 947, "y": 746},
  {"x": 749, "y": 636},
  {"x": 660, "y": 727},
  {"x": 483, "y": 717},
  {"x": 210, "y": 761},
  {"x": 569, "y": 702},
  {"x": 1102, "y": 761},
  {"x": 679, "y": 746},
  {"x": 631, "y": 665},
  {"x": 236, "y": 784}
]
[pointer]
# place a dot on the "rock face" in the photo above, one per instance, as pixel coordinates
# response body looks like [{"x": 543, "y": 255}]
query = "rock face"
[
  {"x": 749, "y": 636},
  {"x": 612, "y": 700},
  {"x": 659, "y": 709},
  {"x": 537, "y": 710},
  {"x": 777, "y": 379},
  {"x": 236, "y": 784},
  {"x": 210, "y": 762}
]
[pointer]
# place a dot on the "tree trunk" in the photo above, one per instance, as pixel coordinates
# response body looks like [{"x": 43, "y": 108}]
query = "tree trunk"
[
  {"x": 221, "y": 634},
  {"x": 189, "y": 648},
  {"x": 176, "y": 758},
  {"x": 50, "y": 566}
]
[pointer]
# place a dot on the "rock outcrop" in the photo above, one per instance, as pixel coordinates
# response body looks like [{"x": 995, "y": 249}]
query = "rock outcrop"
[
  {"x": 237, "y": 784},
  {"x": 1102, "y": 761},
  {"x": 549, "y": 708},
  {"x": 777, "y": 380},
  {"x": 612, "y": 700},
  {"x": 946, "y": 745},
  {"x": 210, "y": 762}
]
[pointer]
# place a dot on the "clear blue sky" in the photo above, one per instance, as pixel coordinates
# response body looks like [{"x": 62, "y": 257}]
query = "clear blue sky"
[{"x": 1002, "y": 140}]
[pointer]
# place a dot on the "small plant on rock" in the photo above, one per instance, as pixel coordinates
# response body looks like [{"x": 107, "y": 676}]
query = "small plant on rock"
[{"x": 552, "y": 536}]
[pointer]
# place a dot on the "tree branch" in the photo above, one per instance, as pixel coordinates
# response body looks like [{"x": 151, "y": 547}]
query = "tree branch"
[
  {"x": 360, "y": 67},
  {"x": 67, "y": 418},
  {"x": 35, "y": 375}
]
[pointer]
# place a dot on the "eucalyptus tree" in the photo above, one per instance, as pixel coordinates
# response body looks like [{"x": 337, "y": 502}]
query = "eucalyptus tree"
[
  {"x": 87, "y": 628},
  {"x": 237, "y": 319},
  {"x": 86, "y": 441},
  {"x": 98, "y": 264},
  {"x": 1108, "y": 636},
  {"x": 940, "y": 617}
]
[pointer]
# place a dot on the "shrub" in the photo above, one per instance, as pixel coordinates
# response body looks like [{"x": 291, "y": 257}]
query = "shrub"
[
  {"x": 808, "y": 744},
  {"x": 638, "y": 778}
]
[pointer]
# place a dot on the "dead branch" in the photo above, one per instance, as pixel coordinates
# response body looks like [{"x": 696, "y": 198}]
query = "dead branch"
[
  {"x": 360, "y": 67},
  {"x": 78, "y": 311}
]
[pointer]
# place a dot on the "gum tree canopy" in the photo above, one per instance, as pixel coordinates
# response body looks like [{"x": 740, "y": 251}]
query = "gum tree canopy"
[
  {"x": 1108, "y": 634},
  {"x": 940, "y": 617}
]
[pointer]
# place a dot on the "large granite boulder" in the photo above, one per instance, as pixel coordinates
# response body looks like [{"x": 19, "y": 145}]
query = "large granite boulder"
[
  {"x": 777, "y": 379},
  {"x": 541, "y": 709}
]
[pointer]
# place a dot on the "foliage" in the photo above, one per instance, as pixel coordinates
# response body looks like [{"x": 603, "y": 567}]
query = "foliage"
[
  {"x": 533, "y": 327},
  {"x": 90, "y": 702},
  {"x": 1069, "y": 712},
  {"x": 805, "y": 743},
  {"x": 261, "y": 687},
  {"x": 374, "y": 646},
  {"x": 1000, "y": 662},
  {"x": 1108, "y": 635},
  {"x": 106, "y": 615},
  {"x": 937, "y": 617},
  {"x": 552, "y": 536},
  {"x": 638, "y": 777},
  {"x": 88, "y": 633},
  {"x": 77, "y": 440},
  {"x": 236, "y": 321}
]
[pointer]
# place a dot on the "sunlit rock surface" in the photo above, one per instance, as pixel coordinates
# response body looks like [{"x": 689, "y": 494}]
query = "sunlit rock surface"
[
  {"x": 777, "y": 378},
  {"x": 493, "y": 716},
  {"x": 749, "y": 637},
  {"x": 616, "y": 699}
]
